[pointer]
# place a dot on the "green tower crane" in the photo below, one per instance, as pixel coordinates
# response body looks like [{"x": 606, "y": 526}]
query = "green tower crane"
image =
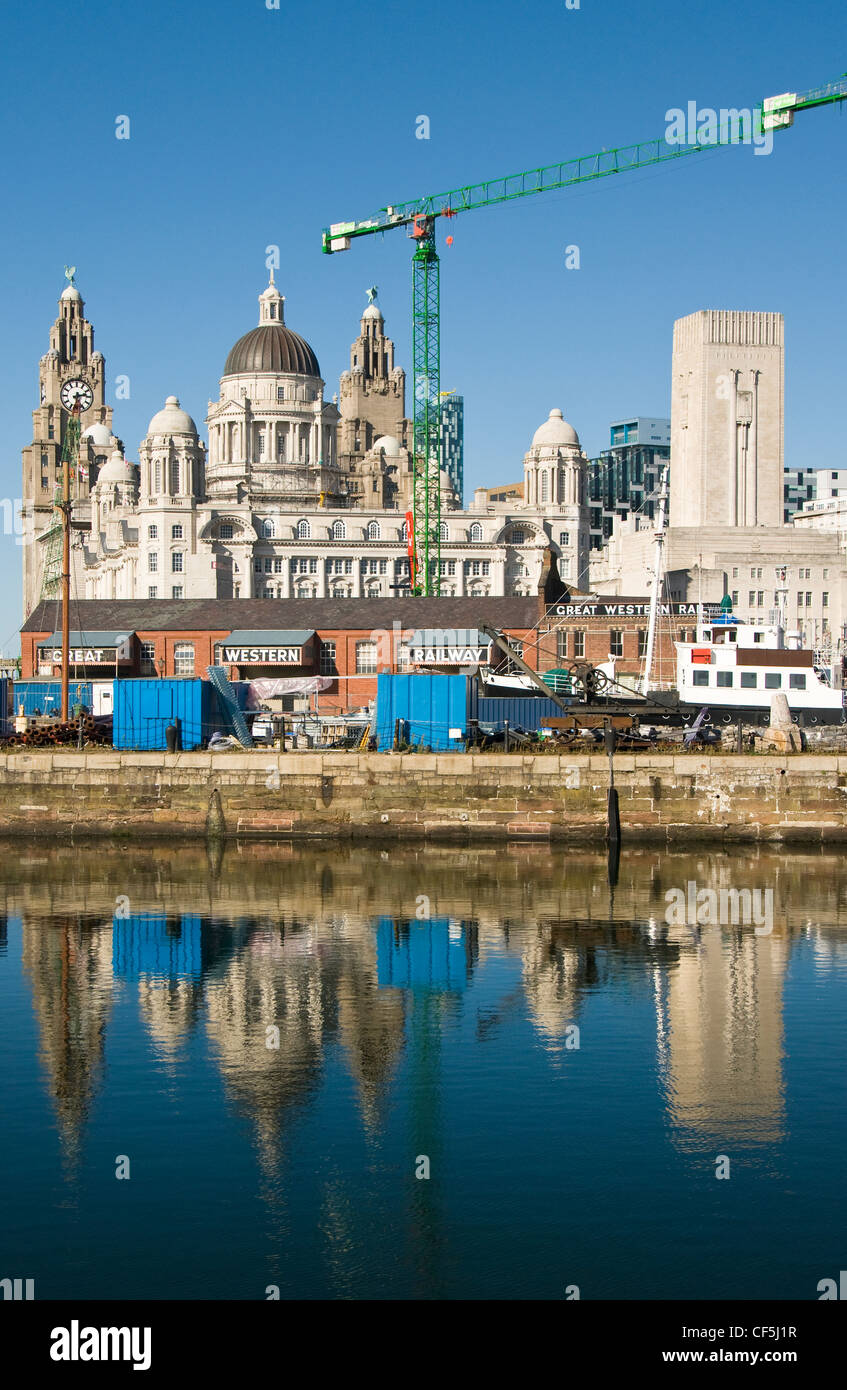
[{"x": 420, "y": 215}]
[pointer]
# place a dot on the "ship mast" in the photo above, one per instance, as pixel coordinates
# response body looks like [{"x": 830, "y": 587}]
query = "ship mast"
[{"x": 659, "y": 541}]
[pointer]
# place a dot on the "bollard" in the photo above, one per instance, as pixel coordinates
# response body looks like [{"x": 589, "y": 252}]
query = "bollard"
[
  {"x": 505, "y": 735},
  {"x": 739, "y": 738}
]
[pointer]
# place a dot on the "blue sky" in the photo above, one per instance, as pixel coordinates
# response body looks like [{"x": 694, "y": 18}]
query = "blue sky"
[{"x": 252, "y": 127}]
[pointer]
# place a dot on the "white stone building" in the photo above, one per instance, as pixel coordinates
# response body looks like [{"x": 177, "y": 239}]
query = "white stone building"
[{"x": 272, "y": 509}]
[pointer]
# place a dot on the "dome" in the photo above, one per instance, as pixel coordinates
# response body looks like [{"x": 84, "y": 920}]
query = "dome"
[
  {"x": 555, "y": 432},
  {"x": 117, "y": 470},
  {"x": 388, "y": 444},
  {"x": 71, "y": 292},
  {"x": 172, "y": 420},
  {"x": 373, "y": 311},
  {"x": 271, "y": 348},
  {"x": 100, "y": 436}
]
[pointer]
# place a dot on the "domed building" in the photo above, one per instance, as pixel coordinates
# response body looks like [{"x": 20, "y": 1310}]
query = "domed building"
[
  {"x": 272, "y": 436},
  {"x": 296, "y": 497}
]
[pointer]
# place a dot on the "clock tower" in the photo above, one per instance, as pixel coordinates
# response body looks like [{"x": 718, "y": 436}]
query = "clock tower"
[{"x": 71, "y": 358}]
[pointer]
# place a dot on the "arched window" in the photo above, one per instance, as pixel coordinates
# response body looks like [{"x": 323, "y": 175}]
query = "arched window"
[
  {"x": 304, "y": 530},
  {"x": 268, "y": 528},
  {"x": 373, "y": 530},
  {"x": 442, "y": 531},
  {"x": 545, "y": 486},
  {"x": 475, "y": 533},
  {"x": 404, "y": 532},
  {"x": 517, "y": 538},
  {"x": 339, "y": 531}
]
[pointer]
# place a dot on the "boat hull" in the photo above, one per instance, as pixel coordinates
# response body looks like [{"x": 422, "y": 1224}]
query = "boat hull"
[{"x": 760, "y": 714}]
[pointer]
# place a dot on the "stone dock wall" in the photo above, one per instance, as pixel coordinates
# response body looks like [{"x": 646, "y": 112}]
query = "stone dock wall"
[{"x": 459, "y": 797}]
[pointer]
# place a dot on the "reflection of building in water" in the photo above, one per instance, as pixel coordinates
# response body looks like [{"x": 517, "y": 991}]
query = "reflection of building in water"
[
  {"x": 436, "y": 954},
  {"x": 153, "y": 944},
  {"x": 555, "y": 974},
  {"x": 721, "y": 1018},
  {"x": 70, "y": 968}
]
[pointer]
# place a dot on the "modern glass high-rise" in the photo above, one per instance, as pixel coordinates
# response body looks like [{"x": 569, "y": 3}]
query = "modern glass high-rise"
[{"x": 453, "y": 442}]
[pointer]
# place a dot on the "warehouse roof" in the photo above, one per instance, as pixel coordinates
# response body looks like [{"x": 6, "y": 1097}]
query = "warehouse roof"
[{"x": 262, "y": 614}]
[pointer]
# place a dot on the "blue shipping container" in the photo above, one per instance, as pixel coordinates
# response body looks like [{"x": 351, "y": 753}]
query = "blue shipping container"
[
  {"x": 47, "y": 696},
  {"x": 522, "y": 711},
  {"x": 429, "y": 706},
  {"x": 6, "y": 709},
  {"x": 145, "y": 708}
]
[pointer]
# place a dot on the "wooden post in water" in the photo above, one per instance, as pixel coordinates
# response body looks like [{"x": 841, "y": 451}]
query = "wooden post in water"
[{"x": 613, "y": 819}]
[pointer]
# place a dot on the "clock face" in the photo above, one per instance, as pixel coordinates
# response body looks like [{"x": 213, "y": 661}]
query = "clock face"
[{"x": 77, "y": 390}]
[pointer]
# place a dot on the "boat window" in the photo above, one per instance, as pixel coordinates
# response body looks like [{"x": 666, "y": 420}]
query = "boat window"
[
  {"x": 758, "y": 637},
  {"x": 724, "y": 678},
  {"x": 699, "y": 678},
  {"x": 707, "y": 635},
  {"x": 773, "y": 680},
  {"x": 733, "y": 636},
  {"x": 797, "y": 682},
  {"x": 748, "y": 680}
]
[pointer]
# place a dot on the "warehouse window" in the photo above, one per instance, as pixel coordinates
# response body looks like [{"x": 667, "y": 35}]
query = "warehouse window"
[
  {"x": 561, "y": 645},
  {"x": 642, "y": 641},
  {"x": 148, "y": 658},
  {"x": 615, "y": 642},
  {"x": 366, "y": 658},
  {"x": 579, "y": 644},
  {"x": 328, "y": 667},
  {"x": 184, "y": 659}
]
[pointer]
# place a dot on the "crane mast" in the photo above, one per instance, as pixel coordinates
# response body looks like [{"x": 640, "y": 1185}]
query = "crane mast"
[{"x": 420, "y": 216}]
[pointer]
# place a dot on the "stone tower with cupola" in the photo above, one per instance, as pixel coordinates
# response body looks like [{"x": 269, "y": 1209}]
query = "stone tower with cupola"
[
  {"x": 71, "y": 355},
  {"x": 373, "y": 393}
]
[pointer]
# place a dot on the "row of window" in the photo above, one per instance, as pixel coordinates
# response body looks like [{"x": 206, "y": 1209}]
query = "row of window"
[
  {"x": 177, "y": 591},
  {"x": 756, "y": 572},
  {"x": 176, "y": 533},
  {"x": 756, "y": 598},
  {"x": 183, "y": 659},
  {"x": 177, "y": 562},
  {"x": 748, "y": 680},
  {"x": 338, "y": 532},
  {"x": 575, "y": 640}
]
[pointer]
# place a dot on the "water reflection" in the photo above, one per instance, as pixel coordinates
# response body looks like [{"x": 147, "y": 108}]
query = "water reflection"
[{"x": 276, "y": 961}]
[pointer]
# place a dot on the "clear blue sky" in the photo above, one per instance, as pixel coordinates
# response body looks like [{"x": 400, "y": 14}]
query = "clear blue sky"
[{"x": 252, "y": 126}]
